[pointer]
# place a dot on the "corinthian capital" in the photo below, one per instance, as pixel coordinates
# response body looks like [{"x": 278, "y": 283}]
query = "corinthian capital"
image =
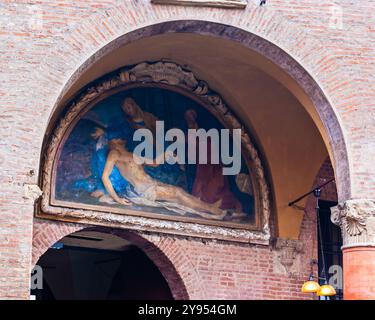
[{"x": 356, "y": 218}]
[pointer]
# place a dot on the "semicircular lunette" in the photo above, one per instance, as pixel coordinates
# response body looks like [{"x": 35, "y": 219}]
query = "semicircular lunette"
[{"x": 87, "y": 175}]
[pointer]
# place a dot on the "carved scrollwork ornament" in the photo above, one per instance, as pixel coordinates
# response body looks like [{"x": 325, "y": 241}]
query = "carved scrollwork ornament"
[
  {"x": 32, "y": 192},
  {"x": 170, "y": 75},
  {"x": 287, "y": 253},
  {"x": 356, "y": 218}
]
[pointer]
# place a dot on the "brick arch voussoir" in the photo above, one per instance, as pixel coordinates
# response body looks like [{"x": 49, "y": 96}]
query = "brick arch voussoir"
[{"x": 46, "y": 233}]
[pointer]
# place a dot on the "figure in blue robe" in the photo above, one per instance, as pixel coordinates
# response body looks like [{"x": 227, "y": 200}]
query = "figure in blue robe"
[{"x": 94, "y": 183}]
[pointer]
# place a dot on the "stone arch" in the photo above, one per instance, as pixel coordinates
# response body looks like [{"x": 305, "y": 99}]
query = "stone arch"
[
  {"x": 265, "y": 31},
  {"x": 170, "y": 260}
]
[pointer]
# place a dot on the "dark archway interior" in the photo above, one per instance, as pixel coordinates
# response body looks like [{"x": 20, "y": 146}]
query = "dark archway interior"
[{"x": 97, "y": 266}]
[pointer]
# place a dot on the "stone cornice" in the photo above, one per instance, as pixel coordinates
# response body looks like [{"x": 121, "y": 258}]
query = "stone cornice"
[{"x": 230, "y": 4}]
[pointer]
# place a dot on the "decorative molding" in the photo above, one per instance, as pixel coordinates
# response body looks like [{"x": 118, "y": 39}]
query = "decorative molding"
[
  {"x": 229, "y": 4},
  {"x": 32, "y": 192},
  {"x": 356, "y": 218},
  {"x": 287, "y": 251},
  {"x": 173, "y": 76}
]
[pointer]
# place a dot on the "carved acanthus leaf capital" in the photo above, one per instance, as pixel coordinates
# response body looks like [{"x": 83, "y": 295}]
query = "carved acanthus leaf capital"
[{"x": 356, "y": 218}]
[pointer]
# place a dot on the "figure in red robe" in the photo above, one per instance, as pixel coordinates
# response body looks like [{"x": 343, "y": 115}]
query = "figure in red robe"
[{"x": 210, "y": 185}]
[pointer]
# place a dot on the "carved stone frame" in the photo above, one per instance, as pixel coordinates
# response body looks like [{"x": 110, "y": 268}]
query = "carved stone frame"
[{"x": 173, "y": 77}]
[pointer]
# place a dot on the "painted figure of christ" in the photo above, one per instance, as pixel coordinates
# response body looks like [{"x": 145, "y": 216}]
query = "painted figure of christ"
[{"x": 146, "y": 186}]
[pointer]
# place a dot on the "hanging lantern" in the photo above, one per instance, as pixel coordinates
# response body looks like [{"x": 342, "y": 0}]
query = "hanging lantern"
[
  {"x": 310, "y": 286},
  {"x": 326, "y": 290}
]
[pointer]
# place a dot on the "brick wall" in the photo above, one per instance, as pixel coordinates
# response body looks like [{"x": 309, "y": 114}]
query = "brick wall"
[
  {"x": 44, "y": 42},
  {"x": 201, "y": 269}
]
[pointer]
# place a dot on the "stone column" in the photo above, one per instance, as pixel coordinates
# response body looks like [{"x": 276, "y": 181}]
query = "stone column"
[{"x": 356, "y": 219}]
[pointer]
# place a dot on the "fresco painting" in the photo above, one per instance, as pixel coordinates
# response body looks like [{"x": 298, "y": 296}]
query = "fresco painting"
[{"x": 96, "y": 164}]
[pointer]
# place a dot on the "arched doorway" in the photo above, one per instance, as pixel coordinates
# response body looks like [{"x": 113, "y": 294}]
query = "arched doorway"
[{"x": 106, "y": 264}]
